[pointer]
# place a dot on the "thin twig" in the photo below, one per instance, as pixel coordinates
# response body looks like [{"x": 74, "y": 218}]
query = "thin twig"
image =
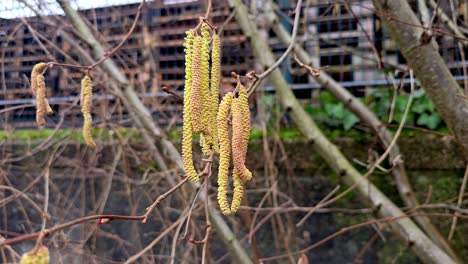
[
  {"x": 46, "y": 208},
  {"x": 459, "y": 202},
  {"x": 161, "y": 198},
  {"x": 208, "y": 223},
  {"x": 315, "y": 72},
  {"x": 366, "y": 33},
  {"x": 262, "y": 76},
  {"x": 330, "y": 194}
]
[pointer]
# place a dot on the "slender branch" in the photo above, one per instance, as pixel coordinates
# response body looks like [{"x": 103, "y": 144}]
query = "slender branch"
[
  {"x": 208, "y": 224},
  {"x": 259, "y": 78},
  {"x": 46, "y": 208},
  {"x": 161, "y": 198},
  {"x": 366, "y": 33},
  {"x": 50, "y": 231},
  {"x": 297, "y": 17},
  {"x": 328, "y": 196},
  {"x": 459, "y": 203}
]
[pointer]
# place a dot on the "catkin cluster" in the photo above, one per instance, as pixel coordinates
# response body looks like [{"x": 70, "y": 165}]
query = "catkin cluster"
[
  {"x": 86, "y": 99},
  {"x": 200, "y": 95},
  {"x": 204, "y": 115},
  {"x": 240, "y": 112},
  {"x": 39, "y": 256},
  {"x": 39, "y": 90}
]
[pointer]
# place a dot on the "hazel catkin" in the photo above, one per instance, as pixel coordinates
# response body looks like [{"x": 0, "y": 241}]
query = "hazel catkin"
[
  {"x": 86, "y": 99},
  {"x": 244, "y": 102},
  {"x": 196, "y": 92},
  {"x": 206, "y": 138},
  {"x": 187, "y": 135},
  {"x": 205, "y": 72},
  {"x": 224, "y": 152},
  {"x": 39, "y": 90},
  {"x": 238, "y": 142},
  {"x": 41, "y": 107},
  {"x": 37, "y": 70},
  {"x": 214, "y": 90}
]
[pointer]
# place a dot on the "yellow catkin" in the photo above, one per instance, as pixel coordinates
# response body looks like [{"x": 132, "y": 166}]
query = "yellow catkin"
[
  {"x": 214, "y": 88},
  {"x": 224, "y": 152},
  {"x": 238, "y": 142},
  {"x": 86, "y": 99},
  {"x": 238, "y": 191},
  {"x": 206, "y": 141},
  {"x": 244, "y": 101},
  {"x": 196, "y": 93},
  {"x": 187, "y": 135},
  {"x": 41, "y": 107},
  {"x": 37, "y": 71},
  {"x": 41, "y": 256}
]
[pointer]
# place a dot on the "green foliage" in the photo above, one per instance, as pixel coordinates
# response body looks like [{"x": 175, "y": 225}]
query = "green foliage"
[
  {"x": 333, "y": 113},
  {"x": 422, "y": 112}
]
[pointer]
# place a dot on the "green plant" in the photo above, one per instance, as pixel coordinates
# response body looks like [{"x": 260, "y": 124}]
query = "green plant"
[
  {"x": 333, "y": 113},
  {"x": 423, "y": 112}
]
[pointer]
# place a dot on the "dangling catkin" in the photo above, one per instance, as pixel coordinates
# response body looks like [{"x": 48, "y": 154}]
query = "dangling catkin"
[
  {"x": 214, "y": 92},
  {"x": 206, "y": 139},
  {"x": 238, "y": 191},
  {"x": 41, "y": 107},
  {"x": 38, "y": 83},
  {"x": 196, "y": 92},
  {"x": 86, "y": 99},
  {"x": 244, "y": 101},
  {"x": 238, "y": 142},
  {"x": 238, "y": 180},
  {"x": 187, "y": 135},
  {"x": 224, "y": 152},
  {"x": 37, "y": 70}
]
